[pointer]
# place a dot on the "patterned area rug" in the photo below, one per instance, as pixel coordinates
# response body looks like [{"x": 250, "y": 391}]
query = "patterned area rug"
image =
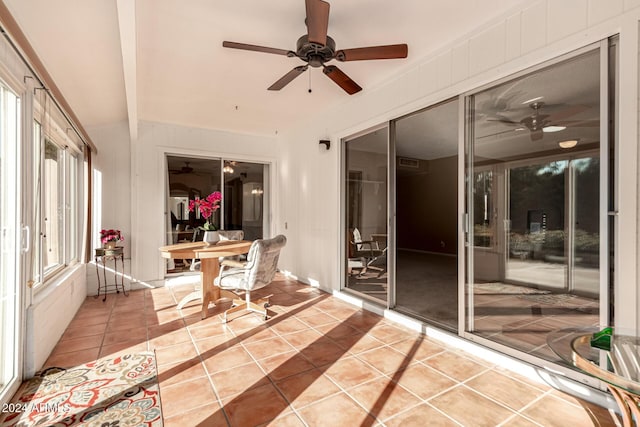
[{"x": 114, "y": 392}]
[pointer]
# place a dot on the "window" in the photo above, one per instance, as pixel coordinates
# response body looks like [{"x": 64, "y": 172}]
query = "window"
[
  {"x": 57, "y": 196},
  {"x": 52, "y": 204}
]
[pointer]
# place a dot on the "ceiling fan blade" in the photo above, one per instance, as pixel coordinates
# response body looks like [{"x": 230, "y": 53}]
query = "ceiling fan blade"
[
  {"x": 392, "y": 51},
  {"x": 567, "y": 112},
  {"x": 505, "y": 121},
  {"x": 497, "y": 134},
  {"x": 255, "y": 48},
  {"x": 317, "y": 21},
  {"x": 341, "y": 79},
  {"x": 287, "y": 78},
  {"x": 578, "y": 123}
]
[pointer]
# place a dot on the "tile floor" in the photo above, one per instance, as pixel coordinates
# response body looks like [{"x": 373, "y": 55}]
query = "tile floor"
[{"x": 317, "y": 362}]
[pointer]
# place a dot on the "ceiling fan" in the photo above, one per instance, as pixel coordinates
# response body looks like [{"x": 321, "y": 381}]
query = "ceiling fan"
[
  {"x": 539, "y": 123},
  {"x": 316, "y": 48},
  {"x": 183, "y": 170}
]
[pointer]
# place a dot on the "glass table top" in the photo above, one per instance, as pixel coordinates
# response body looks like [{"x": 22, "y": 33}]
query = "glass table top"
[{"x": 617, "y": 363}]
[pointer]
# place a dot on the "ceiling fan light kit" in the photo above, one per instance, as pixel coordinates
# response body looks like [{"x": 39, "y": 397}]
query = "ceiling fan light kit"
[
  {"x": 316, "y": 48},
  {"x": 570, "y": 143},
  {"x": 552, "y": 128}
]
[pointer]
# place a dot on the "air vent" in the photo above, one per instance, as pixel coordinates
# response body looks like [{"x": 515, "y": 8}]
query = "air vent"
[{"x": 407, "y": 162}]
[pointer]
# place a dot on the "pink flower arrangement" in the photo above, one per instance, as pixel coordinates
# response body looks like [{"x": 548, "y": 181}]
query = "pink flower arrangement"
[
  {"x": 110, "y": 235},
  {"x": 207, "y": 207}
]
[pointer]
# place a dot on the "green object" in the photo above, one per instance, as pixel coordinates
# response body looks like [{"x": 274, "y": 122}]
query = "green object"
[{"x": 602, "y": 339}]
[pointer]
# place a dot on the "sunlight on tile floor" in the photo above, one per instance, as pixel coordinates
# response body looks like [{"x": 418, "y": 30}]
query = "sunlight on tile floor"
[{"x": 317, "y": 361}]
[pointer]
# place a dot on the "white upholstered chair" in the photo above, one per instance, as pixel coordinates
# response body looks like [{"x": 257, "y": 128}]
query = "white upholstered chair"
[{"x": 258, "y": 271}]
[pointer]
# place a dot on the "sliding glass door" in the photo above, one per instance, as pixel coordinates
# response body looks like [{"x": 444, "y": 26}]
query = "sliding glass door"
[
  {"x": 10, "y": 295},
  {"x": 365, "y": 170},
  {"x": 500, "y": 234},
  {"x": 536, "y": 148},
  {"x": 244, "y": 199},
  {"x": 426, "y": 198}
]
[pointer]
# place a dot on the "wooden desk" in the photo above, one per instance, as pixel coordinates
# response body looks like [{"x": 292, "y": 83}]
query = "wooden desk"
[{"x": 209, "y": 263}]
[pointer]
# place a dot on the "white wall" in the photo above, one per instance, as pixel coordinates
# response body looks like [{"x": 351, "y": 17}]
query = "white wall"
[
  {"x": 309, "y": 181},
  {"x": 50, "y": 314},
  {"x": 149, "y": 187},
  {"x": 111, "y": 198}
]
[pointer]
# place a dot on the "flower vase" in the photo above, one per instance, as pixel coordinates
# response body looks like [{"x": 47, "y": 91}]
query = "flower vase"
[
  {"x": 111, "y": 244},
  {"x": 211, "y": 237}
]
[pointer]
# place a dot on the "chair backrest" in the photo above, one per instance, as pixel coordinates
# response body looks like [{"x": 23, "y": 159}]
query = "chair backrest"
[
  {"x": 357, "y": 238},
  {"x": 231, "y": 234},
  {"x": 262, "y": 261}
]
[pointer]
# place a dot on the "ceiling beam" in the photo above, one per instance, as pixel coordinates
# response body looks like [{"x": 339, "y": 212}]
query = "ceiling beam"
[
  {"x": 28, "y": 54},
  {"x": 128, "y": 46}
]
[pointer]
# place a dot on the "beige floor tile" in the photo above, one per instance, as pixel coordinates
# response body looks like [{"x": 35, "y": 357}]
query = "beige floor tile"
[
  {"x": 331, "y": 362},
  {"x": 508, "y": 391},
  {"x": 337, "y": 410},
  {"x": 269, "y": 347},
  {"x": 185, "y": 396},
  {"x": 470, "y": 408},
  {"x": 239, "y": 380},
  {"x": 417, "y": 416},
  {"x": 551, "y": 411},
  {"x": 386, "y": 359},
  {"x": 383, "y": 397},
  {"x": 285, "y": 365},
  {"x": 256, "y": 406},
  {"x": 423, "y": 381},
  {"x": 454, "y": 365},
  {"x": 308, "y": 387},
  {"x": 350, "y": 372}
]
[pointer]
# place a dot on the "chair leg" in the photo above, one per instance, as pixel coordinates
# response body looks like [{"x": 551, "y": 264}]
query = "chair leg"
[
  {"x": 259, "y": 306},
  {"x": 195, "y": 295}
]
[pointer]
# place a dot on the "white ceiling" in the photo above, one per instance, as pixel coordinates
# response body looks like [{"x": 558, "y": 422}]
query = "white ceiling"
[{"x": 165, "y": 57}]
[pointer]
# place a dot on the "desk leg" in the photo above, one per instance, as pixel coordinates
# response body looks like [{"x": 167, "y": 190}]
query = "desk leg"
[
  {"x": 209, "y": 270},
  {"x": 628, "y": 404}
]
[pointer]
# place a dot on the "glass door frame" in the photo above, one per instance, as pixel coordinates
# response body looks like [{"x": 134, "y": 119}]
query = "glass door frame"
[
  {"x": 390, "y": 220},
  {"x": 466, "y": 202},
  {"x": 18, "y": 231},
  {"x": 267, "y": 196}
]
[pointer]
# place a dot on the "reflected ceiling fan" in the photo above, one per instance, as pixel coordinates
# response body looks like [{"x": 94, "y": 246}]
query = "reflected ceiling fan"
[
  {"x": 539, "y": 123},
  {"x": 316, "y": 48},
  {"x": 186, "y": 169}
]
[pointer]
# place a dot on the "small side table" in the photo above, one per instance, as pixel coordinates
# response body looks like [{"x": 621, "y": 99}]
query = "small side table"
[{"x": 102, "y": 255}]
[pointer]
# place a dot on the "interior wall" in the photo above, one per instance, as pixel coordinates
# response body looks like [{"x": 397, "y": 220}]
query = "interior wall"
[
  {"x": 427, "y": 206},
  {"x": 112, "y": 196},
  {"x": 538, "y": 32},
  {"x": 148, "y": 184}
]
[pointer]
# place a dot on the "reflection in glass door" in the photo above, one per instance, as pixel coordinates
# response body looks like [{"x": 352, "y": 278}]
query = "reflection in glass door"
[
  {"x": 9, "y": 244},
  {"x": 426, "y": 171},
  {"x": 537, "y": 237},
  {"x": 534, "y": 200},
  {"x": 365, "y": 234},
  {"x": 245, "y": 199},
  {"x": 243, "y": 205}
]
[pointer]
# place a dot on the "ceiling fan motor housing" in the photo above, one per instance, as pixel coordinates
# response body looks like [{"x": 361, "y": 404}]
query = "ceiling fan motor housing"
[{"x": 316, "y": 55}]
